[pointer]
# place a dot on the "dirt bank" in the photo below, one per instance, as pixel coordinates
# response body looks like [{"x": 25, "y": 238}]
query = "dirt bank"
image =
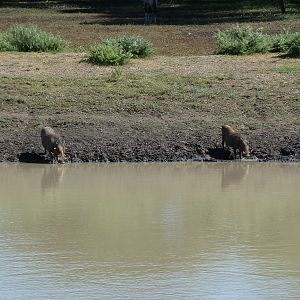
[
  {"x": 147, "y": 139},
  {"x": 163, "y": 109}
]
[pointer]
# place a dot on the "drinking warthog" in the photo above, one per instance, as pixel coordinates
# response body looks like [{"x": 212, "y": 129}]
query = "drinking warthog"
[
  {"x": 51, "y": 142},
  {"x": 233, "y": 139}
]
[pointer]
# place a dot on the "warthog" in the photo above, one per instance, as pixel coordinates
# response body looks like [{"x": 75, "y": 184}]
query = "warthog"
[
  {"x": 51, "y": 142},
  {"x": 233, "y": 139}
]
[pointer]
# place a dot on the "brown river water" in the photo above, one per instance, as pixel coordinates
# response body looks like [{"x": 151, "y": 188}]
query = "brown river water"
[{"x": 150, "y": 231}]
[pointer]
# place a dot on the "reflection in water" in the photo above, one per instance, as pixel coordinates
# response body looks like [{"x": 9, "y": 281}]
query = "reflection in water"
[
  {"x": 150, "y": 231},
  {"x": 233, "y": 174},
  {"x": 52, "y": 176}
]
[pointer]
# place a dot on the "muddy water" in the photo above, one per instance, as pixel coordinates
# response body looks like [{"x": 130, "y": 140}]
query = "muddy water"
[{"x": 150, "y": 231}]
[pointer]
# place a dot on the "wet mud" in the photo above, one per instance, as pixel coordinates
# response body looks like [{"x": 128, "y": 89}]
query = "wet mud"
[{"x": 117, "y": 143}]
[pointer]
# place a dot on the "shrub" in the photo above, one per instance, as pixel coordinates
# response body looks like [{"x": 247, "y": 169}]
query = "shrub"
[
  {"x": 241, "y": 41},
  {"x": 135, "y": 45},
  {"x": 32, "y": 39},
  {"x": 4, "y": 44},
  {"x": 108, "y": 54},
  {"x": 294, "y": 49},
  {"x": 282, "y": 42}
]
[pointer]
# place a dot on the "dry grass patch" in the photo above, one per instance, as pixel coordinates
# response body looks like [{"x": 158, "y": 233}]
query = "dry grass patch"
[{"x": 215, "y": 87}]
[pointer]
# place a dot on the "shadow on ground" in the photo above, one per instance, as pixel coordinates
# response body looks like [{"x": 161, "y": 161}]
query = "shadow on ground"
[
  {"x": 32, "y": 157},
  {"x": 220, "y": 153},
  {"x": 179, "y": 12}
]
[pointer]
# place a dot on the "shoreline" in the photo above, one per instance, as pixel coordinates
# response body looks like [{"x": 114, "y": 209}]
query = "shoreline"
[
  {"x": 83, "y": 148},
  {"x": 32, "y": 160}
]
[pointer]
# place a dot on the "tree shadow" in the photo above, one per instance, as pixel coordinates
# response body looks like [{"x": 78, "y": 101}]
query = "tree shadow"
[
  {"x": 170, "y": 12},
  {"x": 285, "y": 56},
  {"x": 197, "y": 19}
]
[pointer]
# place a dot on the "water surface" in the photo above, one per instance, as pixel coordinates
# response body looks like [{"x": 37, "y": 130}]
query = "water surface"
[{"x": 150, "y": 231}]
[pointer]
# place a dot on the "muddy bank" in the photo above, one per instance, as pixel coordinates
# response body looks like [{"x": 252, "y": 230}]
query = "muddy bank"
[{"x": 149, "y": 140}]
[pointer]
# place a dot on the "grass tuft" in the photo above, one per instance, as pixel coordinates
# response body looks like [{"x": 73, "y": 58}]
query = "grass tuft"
[{"x": 116, "y": 75}]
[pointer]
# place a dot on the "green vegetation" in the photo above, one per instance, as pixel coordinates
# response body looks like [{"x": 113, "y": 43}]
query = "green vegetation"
[
  {"x": 136, "y": 46},
  {"x": 263, "y": 95},
  {"x": 283, "y": 41},
  {"x": 4, "y": 44},
  {"x": 116, "y": 74},
  {"x": 245, "y": 40},
  {"x": 241, "y": 41},
  {"x": 84, "y": 22},
  {"x": 104, "y": 54},
  {"x": 289, "y": 70},
  {"x": 119, "y": 51},
  {"x": 294, "y": 49},
  {"x": 30, "y": 39}
]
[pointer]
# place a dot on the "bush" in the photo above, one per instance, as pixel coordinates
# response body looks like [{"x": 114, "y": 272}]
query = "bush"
[
  {"x": 31, "y": 39},
  {"x": 241, "y": 41},
  {"x": 108, "y": 54},
  {"x": 282, "y": 42},
  {"x": 4, "y": 44},
  {"x": 294, "y": 49},
  {"x": 135, "y": 45}
]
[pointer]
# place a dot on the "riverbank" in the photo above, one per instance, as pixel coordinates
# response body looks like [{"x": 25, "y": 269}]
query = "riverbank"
[{"x": 161, "y": 109}]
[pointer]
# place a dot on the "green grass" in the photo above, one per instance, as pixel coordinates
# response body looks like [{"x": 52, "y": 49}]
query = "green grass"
[
  {"x": 115, "y": 75},
  {"x": 289, "y": 70},
  {"x": 6, "y": 122},
  {"x": 157, "y": 92}
]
